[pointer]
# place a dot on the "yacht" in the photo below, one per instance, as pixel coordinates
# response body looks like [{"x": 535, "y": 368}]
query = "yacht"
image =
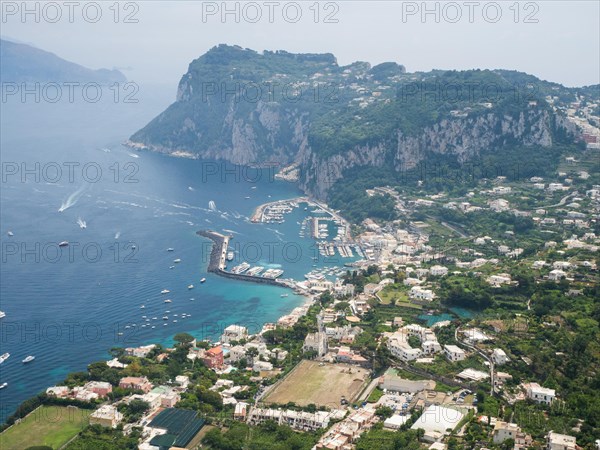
[
  {"x": 142, "y": 307},
  {"x": 10, "y": 234},
  {"x": 191, "y": 286},
  {"x": 3, "y": 385},
  {"x": 170, "y": 249},
  {"x": 165, "y": 291},
  {"x": 4, "y": 357},
  {"x": 202, "y": 280},
  {"x": 171, "y": 267},
  {"x": 229, "y": 256},
  {"x": 28, "y": 359},
  {"x": 177, "y": 260},
  {"x": 165, "y": 317},
  {"x": 2, "y": 314},
  {"x": 63, "y": 243},
  {"x": 168, "y": 301}
]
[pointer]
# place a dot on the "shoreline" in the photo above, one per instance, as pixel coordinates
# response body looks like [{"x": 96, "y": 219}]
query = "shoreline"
[{"x": 257, "y": 215}]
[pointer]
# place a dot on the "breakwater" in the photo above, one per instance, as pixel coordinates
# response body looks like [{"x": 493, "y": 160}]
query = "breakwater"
[{"x": 217, "y": 264}]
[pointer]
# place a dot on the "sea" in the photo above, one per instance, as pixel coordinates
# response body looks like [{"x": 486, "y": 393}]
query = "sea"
[{"x": 67, "y": 177}]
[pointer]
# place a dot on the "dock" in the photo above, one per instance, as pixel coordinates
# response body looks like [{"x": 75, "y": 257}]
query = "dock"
[{"x": 217, "y": 262}]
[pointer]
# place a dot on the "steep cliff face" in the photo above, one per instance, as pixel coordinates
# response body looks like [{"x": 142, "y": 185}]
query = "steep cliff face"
[
  {"x": 463, "y": 139},
  {"x": 276, "y": 107}
]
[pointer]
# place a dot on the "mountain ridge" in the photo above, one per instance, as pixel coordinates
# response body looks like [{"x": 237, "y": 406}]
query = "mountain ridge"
[
  {"x": 305, "y": 110},
  {"x": 23, "y": 63}
]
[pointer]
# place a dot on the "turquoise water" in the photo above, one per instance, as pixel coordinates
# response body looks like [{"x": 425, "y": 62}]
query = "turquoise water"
[
  {"x": 456, "y": 312},
  {"x": 69, "y": 306}
]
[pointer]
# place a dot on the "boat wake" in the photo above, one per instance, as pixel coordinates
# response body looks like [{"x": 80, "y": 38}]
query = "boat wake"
[
  {"x": 82, "y": 223},
  {"x": 72, "y": 199}
]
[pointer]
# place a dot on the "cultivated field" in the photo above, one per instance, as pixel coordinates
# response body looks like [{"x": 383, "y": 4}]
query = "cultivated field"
[
  {"x": 320, "y": 385},
  {"x": 48, "y": 425}
]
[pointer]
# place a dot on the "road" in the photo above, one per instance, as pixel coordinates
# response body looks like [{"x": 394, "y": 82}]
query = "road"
[{"x": 482, "y": 354}]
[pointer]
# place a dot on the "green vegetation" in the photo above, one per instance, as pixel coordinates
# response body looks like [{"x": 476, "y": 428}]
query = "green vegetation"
[
  {"x": 101, "y": 438},
  {"x": 48, "y": 425},
  {"x": 267, "y": 436}
]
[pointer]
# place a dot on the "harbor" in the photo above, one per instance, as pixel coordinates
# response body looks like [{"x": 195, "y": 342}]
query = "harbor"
[{"x": 218, "y": 263}]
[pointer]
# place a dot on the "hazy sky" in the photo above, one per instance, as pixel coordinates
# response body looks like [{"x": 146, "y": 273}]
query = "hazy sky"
[{"x": 554, "y": 40}]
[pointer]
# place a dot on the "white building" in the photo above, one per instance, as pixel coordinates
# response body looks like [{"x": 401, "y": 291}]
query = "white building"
[
  {"x": 418, "y": 293},
  {"x": 557, "y": 275},
  {"x": 540, "y": 394},
  {"x": 316, "y": 342},
  {"x": 504, "y": 431},
  {"x": 234, "y": 333},
  {"x": 438, "y": 271},
  {"x": 299, "y": 420},
  {"x": 454, "y": 353},
  {"x": 107, "y": 416},
  {"x": 499, "y": 205},
  {"x": 403, "y": 351},
  {"x": 499, "y": 280},
  {"x": 561, "y": 441},
  {"x": 499, "y": 356}
]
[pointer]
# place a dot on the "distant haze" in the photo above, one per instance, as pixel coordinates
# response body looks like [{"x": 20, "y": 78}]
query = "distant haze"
[{"x": 563, "y": 46}]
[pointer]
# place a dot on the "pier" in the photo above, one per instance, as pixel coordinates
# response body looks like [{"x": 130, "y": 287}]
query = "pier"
[{"x": 217, "y": 261}]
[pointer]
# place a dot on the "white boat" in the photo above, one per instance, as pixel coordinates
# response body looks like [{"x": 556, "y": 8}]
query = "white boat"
[
  {"x": 191, "y": 286},
  {"x": 3, "y": 385},
  {"x": 28, "y": 359},
  {"x": 202, "y": 280},
  {"x": 10, "y": 234},
  {"x": 4, "y": 357},
  {"x": 171, "y": 267},
  {"x": 229, "y": 256},
  {"x": 165, "y": 317},
  {"x": 170, "y": 249},
  {"x": 177, "y": 260},
  {"x": 2, "y": 314},
  {"x": 142, "y": 307},
  {"x": 165, "y": 291},
  {"x": 168, "y": 301},
  {"x": 63, "y": 243},
  {"x": 283, "y": 295}
]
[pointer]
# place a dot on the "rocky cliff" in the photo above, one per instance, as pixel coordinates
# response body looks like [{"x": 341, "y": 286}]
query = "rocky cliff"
[{"x": 276, "y": 107}]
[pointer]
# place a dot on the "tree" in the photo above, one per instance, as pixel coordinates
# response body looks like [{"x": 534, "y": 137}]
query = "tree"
[
  {"x": 342, "y": 306},
  {"x": 183, "y": 338},
  {"x": 384, "y": 412}
]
